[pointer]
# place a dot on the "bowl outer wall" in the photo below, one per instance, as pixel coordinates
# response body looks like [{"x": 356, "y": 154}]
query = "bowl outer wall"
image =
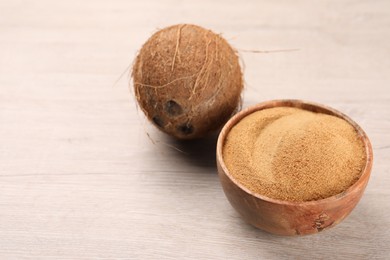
[{"x": 287, "y": 217}]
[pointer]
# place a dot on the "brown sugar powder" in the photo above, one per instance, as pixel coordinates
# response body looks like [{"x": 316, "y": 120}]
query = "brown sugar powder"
[{"x": 292, "y": 154}]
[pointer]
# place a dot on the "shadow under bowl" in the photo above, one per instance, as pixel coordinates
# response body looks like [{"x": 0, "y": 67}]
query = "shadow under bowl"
[{"x": 290, "y": 217}]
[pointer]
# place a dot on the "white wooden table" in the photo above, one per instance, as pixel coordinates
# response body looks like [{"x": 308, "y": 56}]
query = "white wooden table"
[{"x": 80, "y": 179}]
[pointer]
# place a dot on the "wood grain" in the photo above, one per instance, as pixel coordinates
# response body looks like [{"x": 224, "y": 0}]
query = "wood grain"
[{"x": 80, "y": 179}]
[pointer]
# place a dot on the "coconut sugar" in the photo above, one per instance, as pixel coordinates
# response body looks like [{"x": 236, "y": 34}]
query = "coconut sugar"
[{"x": 293, "y": 154}]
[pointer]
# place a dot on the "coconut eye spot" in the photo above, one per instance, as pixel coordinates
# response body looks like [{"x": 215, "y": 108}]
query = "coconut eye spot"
[
  {"x": 186, "y": 129},
  {"x": 158, "y": 121},
  {"x": 173, "y": 108}
]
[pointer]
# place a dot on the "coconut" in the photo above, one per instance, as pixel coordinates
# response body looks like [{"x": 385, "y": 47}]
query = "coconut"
[{"x": 187, "y": 80}]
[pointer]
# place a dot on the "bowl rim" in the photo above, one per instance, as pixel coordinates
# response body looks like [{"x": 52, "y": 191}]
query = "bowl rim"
[{"x": 302, "y": 104}]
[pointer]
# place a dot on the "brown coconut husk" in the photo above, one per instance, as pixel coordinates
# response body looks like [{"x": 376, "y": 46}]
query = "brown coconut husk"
[{"x": 187, "y": 80}]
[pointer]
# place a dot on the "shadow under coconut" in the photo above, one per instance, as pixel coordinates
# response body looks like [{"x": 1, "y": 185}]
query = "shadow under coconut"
[{"x": 199, "y": 152}]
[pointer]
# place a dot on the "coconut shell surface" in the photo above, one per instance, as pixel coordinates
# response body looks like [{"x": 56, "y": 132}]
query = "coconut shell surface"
[{"x": 187, "y": 80}]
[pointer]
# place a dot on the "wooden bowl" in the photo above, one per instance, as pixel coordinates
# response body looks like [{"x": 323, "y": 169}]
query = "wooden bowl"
[{"x": 289, "y": 217}]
